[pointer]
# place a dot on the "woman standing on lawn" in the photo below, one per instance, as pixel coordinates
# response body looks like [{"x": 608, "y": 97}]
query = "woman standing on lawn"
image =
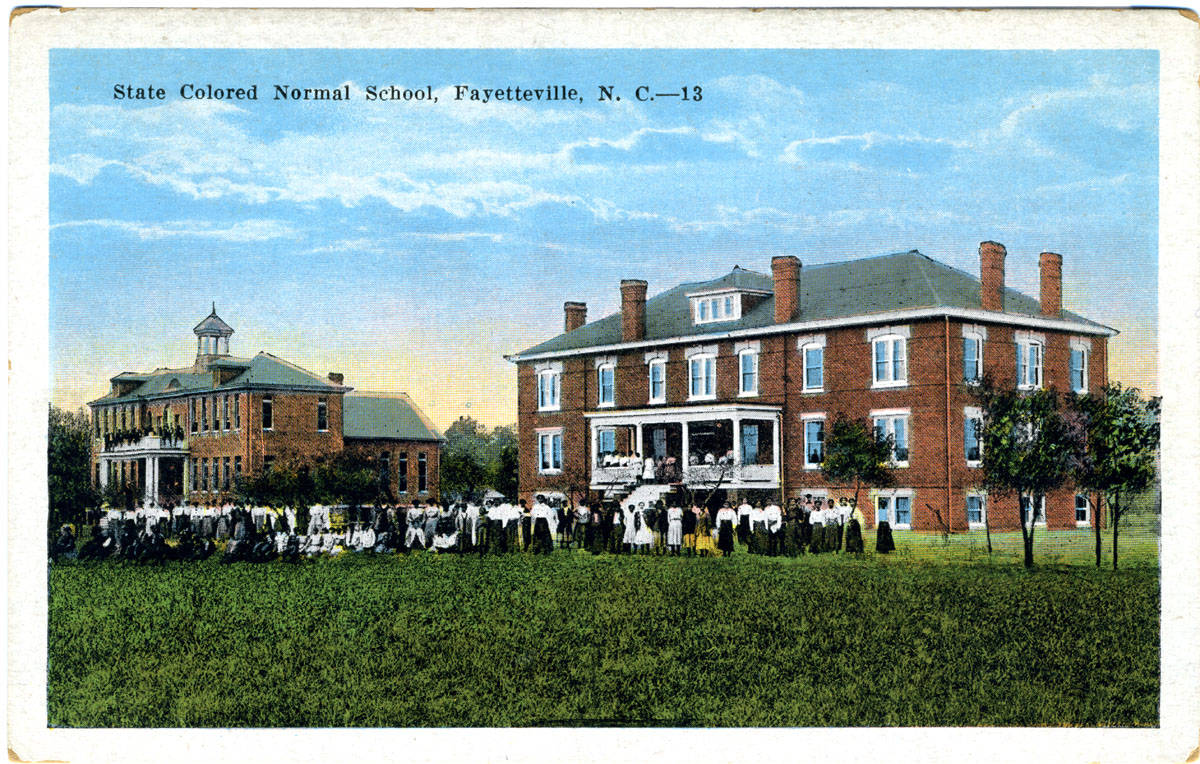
[
  {"x": 627, "y": 519},
  {"x": 674, "y": 529},
  {"x": 643, "y": 538},
  {"x": 705, "y": 547},
  {"x": 817, "y": 541},
  {"x": 726, "y": 518},
  {"x": 688, "y": 526},
  {"x": 613, "y": 529}
]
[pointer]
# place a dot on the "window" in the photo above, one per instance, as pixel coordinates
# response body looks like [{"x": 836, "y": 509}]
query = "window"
[
  {"x": 606, "y": 442},
  {"x": 748, "y": 363},
  {"x": 192, "y": 414},
  {"x": 267, "y": 412},
  {"x": 814, "y": 368},
  {"x": 894, "y": 509},
  {"x": 1083, "y": 510},
  {"x": 702, "y": 377},
  {"x": 891, "y": 357},
  {"x": 225, "y": 473},
  {"x": 204, "y": 474},
  {"x": 225, "y": 411},
  {"x": 192, "y": 483},
  {"x": 658, "y": 381},
  {"x": 1040, "y": 518},
  {"x": 547, "y": 390},
  {"x": 1029, "y": 364},
  {"x": 605, "y": 385},
  {"x": 322, "y": 415},
  {"x": 972, "y": 358},
  {"x": 237, "y": 411},
  {"x": 710, "y": 308},
  {"x": 204, "y": 415},
  {"x": 703, "y": 315},
  {"x": 1079, "y": 381},
  {"x": 237, "y": 466},
  {"x": 976, "y": 510},
  {"x": 972, "y": 431},
  {"x": 549, "y": 447},
  {"x": 95, "y": 424},
  {"x": 385, "y": 466},
  {"x": 814, "y": 443},
  {"x": 268, "y": 462},
  {"x": 896, "y": 425},
  {"x": 402, "y": 470},
  {"x": 422, "y": 473}
]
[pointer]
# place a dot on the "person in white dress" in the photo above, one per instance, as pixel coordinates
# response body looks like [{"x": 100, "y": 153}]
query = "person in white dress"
[
  {"x": 627, "y": 520},
  {"x": 415, "y": 536},
  {"x": 674, "y": 529},
  {"x": 774, "y": 519},
  {"x": 643, "y": 538},
  {"x": 648, "y": 470}
]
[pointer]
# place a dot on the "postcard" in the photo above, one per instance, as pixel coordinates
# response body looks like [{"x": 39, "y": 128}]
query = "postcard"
[{"x": 603, "y": 385}]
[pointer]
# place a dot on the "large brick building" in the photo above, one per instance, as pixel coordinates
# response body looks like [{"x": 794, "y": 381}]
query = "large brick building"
[
  {"x": 189, "y": 433},
  {"x": 754, "y": 367}
]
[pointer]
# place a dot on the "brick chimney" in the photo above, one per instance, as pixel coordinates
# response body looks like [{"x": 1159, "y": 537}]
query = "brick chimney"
[
  {"x": 1051, "y": 267},
  {"x": 786, "y": 271},
  {"x": 633, "y": 310},
  {"x": 574, "y": 315},
  {"x": 336, "y": 378},
  {"x": 991, "y": 274}
]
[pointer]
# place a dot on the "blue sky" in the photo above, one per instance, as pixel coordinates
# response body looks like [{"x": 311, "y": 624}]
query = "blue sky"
[{"x": 410, "y": 246}]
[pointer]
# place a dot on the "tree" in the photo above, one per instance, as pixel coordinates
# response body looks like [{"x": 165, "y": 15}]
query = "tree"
[
  {"x": 1030, "y": 447},
  {"x": 462, "y": 472},
  {"x": 853, "y": 454},
  {"x": 504, "y": 476},
  {"x": 69, "y": 459},
  {"x": 1122, "y": 437}
]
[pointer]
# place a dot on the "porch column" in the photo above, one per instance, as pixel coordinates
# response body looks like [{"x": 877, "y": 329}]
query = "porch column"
[
  {"x": 641, "y": 454},
  {"x": 103, "y": 473},
  {"x": 777, "y": 441},
  {"x": 149, "y": 494},
  {"x": 686, "y": 456},
  {"x": 737, "y": 441},
  {"x": 595, "y": 449}
]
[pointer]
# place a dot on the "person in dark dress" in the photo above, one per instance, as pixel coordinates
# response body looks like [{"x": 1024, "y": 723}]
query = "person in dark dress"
[
  {"x": 689, "y": 532},
  {"x": 725, "y": 520},
  {"x": 63, "y": 547},
  {"x": 662, "y": 524},
  {"x": 98, "y": 546},
  {"x": 527, "y": 524},
  {"x": 883, "y": 538}
]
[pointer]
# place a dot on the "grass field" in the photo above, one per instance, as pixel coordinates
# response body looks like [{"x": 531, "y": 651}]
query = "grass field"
[{"x": 935, "y": 635}]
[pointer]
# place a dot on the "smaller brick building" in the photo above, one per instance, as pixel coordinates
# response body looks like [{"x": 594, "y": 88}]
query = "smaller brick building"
[{"x": 188, "y": 433}]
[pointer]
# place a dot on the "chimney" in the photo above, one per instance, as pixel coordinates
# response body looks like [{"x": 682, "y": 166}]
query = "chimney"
[
  {"x": 991, "y": 274},
  {"x": 335, "y": 378},
  {"x": 786, "y": 271},
  {"x": 574, "y": 315},
  {"x": 633, "y": 310},
  {"x": 1051, "y": 266}
]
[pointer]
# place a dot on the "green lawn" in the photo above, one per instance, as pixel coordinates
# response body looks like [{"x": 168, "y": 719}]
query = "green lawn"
[{"x": 575, "y": 639}]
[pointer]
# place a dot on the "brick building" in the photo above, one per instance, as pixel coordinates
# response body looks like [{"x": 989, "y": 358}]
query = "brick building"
[
  {"x": 190, "y": 432},
  {"x": 754, "y": 367}
]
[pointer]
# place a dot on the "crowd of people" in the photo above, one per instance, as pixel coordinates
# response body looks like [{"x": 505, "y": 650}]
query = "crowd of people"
[{"x": 152, "y": 534}]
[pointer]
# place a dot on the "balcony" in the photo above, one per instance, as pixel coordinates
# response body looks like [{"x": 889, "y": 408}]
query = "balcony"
[{"x": 155, "y": 444}]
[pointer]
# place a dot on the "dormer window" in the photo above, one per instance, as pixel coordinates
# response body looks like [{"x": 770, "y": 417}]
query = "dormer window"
[{"x": 711, "y": 308}]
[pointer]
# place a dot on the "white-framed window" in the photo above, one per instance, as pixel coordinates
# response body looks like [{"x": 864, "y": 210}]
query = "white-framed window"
[
  {"x": 972, "y": 357},
  {"x": 322, "y": 415},
  {"x": 658, "y": 380},
  {"x": 268, "y": 412},
  {"x": 702, "y": 377},
  {"x": 812, "y": 358},
  {"x": 1030, "y": 350},
  {"x": 707, "y": 309},
  {"x": 890, "y": 366},
  {"x": 973, "y": 436},
  {"x": 606, "y": 442},
  {"x": 814, "y": 440},
  {"x": 976, "y": 510},
  {"x": 1083, "y": 511},
  {"x": 549, "y": 451},
  {"x": 895, "y": 423},
  {"x": 748, "y": 372},
  {"x": 1079, "y": 365},
  {"x": 548, "y": 382},
  {"x": 1040, "y": 517},
  {"x": 606, "y": 384},
  {"x": 895, "y": 508}
]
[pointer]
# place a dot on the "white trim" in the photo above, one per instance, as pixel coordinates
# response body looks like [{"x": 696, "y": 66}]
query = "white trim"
[
  {"x": 702, "y": 358},
  {"x": 1085, "y": 349},
  {"x": 610, "y": 364},
  {"x": 651, "y": 363},
  {"x": 727, "y": 290},
  {"x": 969, "y": 413},
  {"x": 684, "y": 413},
  {"x": 810, "y": 339},
  {"x": 540, "y": 434},
  {"x": 879, "y": 332},
  {"x": 889, "y": 412},
  {"x": 753, "y": 351},
  {"x": 974, "y": 330},
  {"x": 892, "y": 494},
  {"x": 1088, "y": 522},
  {"x": 813, "y": 415},
  {"x": 892, "y": 414},
  {"x": 1081, "y": 343},
  {"x": 1022, "y": 335},
  {"x": 604, "y": 360},
  {"x": 888, "y": 337},
  {"x": 811, "y": 342},
  {"x": 915, "y": 314},
  {"x": 549, "y": 372},
  {"x": 1041, "y": 510},
  {"x": 655, "y": 355},
  {"x": 979, "y": 334},
  {"x": 740, "y": 347},
  {"x": 699, "y": 350},
  {"x": 804, "y": 420},
  {"x": 555, "y": 366}
]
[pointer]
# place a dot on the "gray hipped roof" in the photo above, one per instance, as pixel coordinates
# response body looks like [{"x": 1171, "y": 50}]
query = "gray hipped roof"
[
  {"x": 900, "y": 281},
  {"x": 385, "y": 415}
]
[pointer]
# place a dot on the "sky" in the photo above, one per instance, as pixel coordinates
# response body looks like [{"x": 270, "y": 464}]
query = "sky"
[{"x": 411, "y": 245}]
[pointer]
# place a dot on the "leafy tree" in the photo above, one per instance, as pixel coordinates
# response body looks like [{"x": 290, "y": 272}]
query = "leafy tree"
[
  {"x": 462, "y": 472},
  {"x": 1030, "y": 444},
  {"x": 1122, "y": 436},
  {"x": 69, "y": 454},
  {"x": 504, "y": 476},
  {"x": 853, "y": 454}
]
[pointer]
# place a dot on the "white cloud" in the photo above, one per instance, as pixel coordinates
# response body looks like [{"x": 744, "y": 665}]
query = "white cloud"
[{"x": 241, "y": 232}]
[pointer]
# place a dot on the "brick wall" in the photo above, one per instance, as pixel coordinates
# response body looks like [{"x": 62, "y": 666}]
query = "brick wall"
[{"x": 375, "y": 447}]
